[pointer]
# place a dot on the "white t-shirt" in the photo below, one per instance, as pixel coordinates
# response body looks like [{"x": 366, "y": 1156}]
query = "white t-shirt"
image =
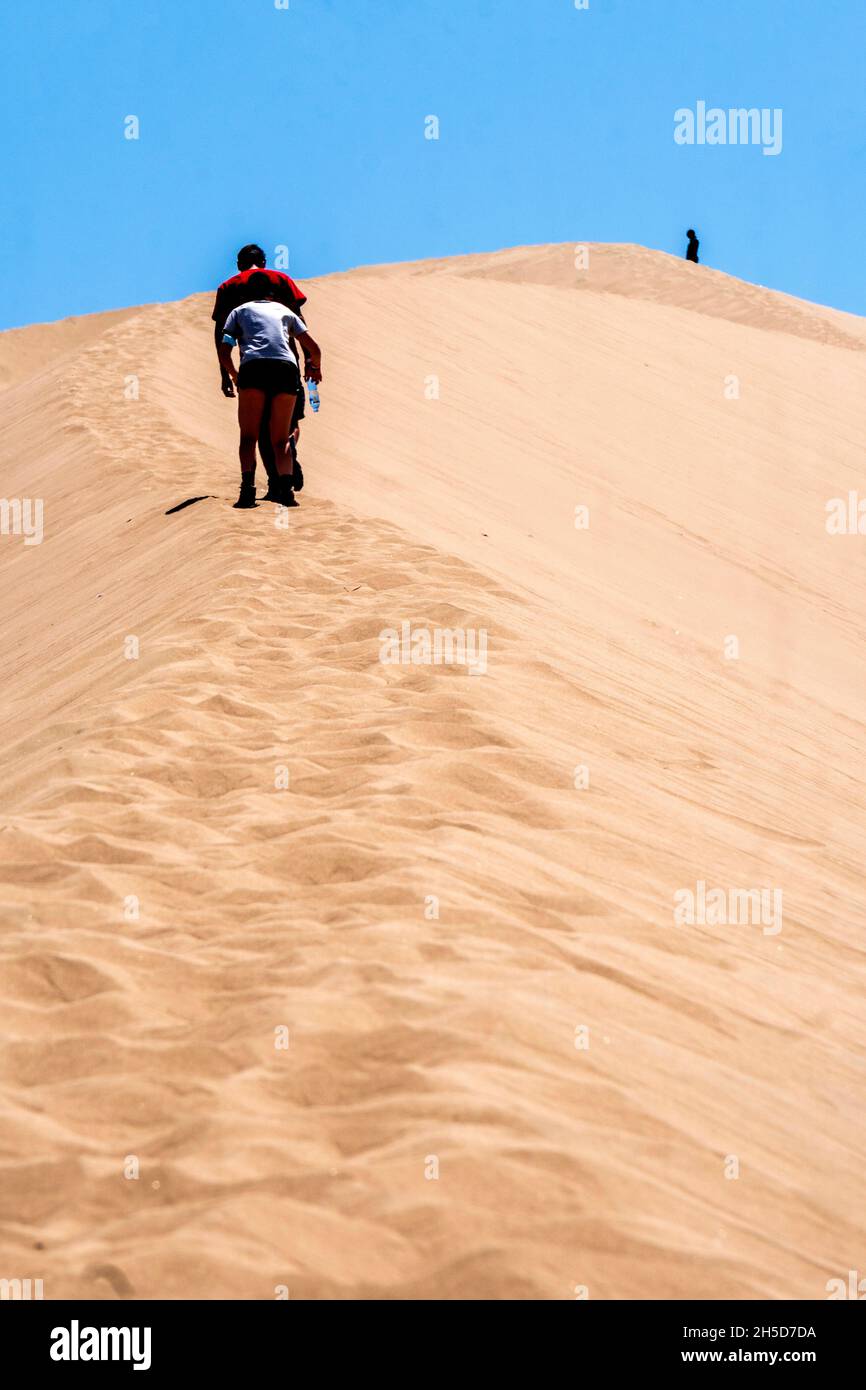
[{"x": 262, "y": 330}]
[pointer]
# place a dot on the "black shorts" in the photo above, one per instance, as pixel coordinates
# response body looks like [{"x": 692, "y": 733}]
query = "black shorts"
[{"x": 272, "y": 375}]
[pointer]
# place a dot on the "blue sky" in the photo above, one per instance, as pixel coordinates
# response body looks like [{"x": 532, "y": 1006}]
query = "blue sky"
[{"x": 304, "y": 127}]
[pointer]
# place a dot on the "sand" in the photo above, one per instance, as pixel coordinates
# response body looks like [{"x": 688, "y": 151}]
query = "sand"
[{"x": 333, "y": 978}]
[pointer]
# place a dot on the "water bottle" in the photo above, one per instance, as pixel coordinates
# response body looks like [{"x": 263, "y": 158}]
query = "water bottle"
[{"x": 313, "y": 394}]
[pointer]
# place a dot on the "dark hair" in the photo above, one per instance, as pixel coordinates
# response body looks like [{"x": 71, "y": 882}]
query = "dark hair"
[
  {"x": 251, "y": 255},
  {"x": 690, "y": 232},
  {"x": 260, "y": 286}
]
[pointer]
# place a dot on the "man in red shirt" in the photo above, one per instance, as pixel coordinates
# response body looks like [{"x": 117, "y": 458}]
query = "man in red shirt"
[{"x": 230, "y": 295}]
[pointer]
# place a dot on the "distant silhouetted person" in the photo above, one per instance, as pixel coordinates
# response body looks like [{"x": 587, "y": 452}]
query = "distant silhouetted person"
[{"x": 692, "y": 251}]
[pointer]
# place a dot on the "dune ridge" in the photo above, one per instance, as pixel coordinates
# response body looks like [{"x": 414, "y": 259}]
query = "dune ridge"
[{"x": 432, "y": 909}]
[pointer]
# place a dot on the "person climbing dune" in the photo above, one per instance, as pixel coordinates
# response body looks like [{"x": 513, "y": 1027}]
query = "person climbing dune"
[
  {"x": 251, "y": 260},
  {"x": 692, "y": 248},
  {"x": 269, "y": 375}
]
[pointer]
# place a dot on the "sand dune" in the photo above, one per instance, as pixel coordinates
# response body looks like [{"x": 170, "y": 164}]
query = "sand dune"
[{"x": 169, "y": 905}]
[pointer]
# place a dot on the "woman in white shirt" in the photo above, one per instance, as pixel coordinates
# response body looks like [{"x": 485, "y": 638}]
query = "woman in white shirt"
[{"x": 264, "y": 331}]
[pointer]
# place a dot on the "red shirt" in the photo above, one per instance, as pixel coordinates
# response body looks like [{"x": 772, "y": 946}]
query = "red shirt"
[{"x": 232, "y": 293}]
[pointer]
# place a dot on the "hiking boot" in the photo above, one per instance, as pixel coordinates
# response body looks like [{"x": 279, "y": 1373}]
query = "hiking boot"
[
  {"x": 247, "y": 496},
  {"x": 287, "y": 497}
]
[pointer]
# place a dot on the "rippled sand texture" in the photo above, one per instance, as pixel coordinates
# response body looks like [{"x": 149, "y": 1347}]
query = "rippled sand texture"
[{"x": 584, "y": 1075}]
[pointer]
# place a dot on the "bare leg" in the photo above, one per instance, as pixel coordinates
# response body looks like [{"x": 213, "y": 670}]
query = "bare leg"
[
  {"x": 265, "y": 446},
  {"x": 251, "y": 405},
  {"x": 282, "y": 410}
]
